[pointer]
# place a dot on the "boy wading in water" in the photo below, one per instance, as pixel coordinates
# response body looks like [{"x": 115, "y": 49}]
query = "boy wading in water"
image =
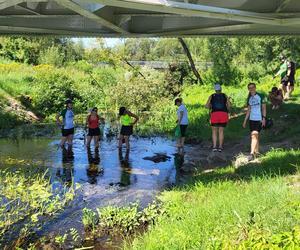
[
  {"x": 127, "y": 126},
  {"x": 256, "y": 113},
  {"x": 182, "y": 122},
  {"x": 67, "y": 124},
  {"x": 219, "y": 105}
]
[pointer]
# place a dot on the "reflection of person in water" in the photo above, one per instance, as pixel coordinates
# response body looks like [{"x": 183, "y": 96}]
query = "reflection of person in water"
[
  {"x": 126, "y": 169},
  {"x": 93, "y": 170},
  {"x": 67, "y": 163},
  {"x": 178, "y": 162}
]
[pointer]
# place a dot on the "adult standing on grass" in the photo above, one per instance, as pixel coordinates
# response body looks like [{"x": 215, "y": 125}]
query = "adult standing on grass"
[
  {"x": 182, "y": 122},
  {"x": 219, "y": 105},
  {"x": 127, "y": 126},
  {"x": 256, "y": 113},
  {"x": 287, "y": 74},
  {"x": 92, "y": 123},
  {"x": 67, "y": 124}
]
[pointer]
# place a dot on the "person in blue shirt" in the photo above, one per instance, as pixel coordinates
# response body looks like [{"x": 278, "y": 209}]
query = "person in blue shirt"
[{"x": 256, "y": 114}]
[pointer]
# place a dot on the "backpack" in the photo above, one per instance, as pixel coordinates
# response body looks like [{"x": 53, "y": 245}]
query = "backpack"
[{"x": 218, "y": 102}]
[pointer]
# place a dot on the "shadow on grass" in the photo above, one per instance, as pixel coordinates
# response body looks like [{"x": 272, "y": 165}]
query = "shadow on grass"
[{"x": 274, "y": 164}]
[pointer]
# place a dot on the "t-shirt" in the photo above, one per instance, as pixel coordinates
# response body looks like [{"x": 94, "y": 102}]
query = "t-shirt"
[
  {"x": 283, "y": 69},
  {"x": 255, "y": 102},
  {"x": 68, "y": 119},
  {"x": 184, "y": 120}
]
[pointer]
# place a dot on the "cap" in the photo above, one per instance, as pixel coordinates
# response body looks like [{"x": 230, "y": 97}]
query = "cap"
[
  {"x": 218, "y": 87},
  {"x": 68, "y": 101}
]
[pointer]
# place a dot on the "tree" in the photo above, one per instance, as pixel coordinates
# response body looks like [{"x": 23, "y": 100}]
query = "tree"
[{"x": 192, "y": 64}]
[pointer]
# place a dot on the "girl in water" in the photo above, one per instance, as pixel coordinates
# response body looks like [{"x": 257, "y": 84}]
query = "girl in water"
[{"x": 127, "y": 126}]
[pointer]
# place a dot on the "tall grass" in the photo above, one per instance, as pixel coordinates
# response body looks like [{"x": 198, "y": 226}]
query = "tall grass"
[{"x": 231, "y": 208}]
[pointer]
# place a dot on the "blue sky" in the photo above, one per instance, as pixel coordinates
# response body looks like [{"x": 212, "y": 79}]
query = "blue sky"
[{"x": 91, "y": 42}]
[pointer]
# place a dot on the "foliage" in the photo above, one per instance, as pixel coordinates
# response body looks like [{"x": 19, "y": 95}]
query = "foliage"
[
  {"x": 120, "y": 220},
  {"x": 254, "y": 207},
  {"x": 51, "y": 91},
  {"x": 26, "y": 200},
  {"x": 138, "y": 93},
  {"x": 52, "y": 56}
]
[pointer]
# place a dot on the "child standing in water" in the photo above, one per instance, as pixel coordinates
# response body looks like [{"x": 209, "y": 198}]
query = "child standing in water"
[
  {"x": 127, "y": 126},
  {"x": 182, "y": 122}
]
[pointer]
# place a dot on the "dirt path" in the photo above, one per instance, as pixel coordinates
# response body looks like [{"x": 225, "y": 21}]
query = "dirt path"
[{"x": 201, "y": 157}]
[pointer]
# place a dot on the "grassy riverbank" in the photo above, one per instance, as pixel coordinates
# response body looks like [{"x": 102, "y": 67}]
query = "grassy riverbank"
[
  {"x": 255, "y": 206},
  {"x": 43, "y": 89}
]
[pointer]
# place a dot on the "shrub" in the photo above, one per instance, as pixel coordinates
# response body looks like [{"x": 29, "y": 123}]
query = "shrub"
[{"x": 51, "y": 91}]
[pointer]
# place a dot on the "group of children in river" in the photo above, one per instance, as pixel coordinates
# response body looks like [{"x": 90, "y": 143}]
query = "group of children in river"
[{"x": 218, "y": 104}]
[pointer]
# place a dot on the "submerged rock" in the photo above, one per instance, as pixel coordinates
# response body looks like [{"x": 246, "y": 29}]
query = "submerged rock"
[{"x": 158, "y": 157}]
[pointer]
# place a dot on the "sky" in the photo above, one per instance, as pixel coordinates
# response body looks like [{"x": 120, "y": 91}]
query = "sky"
[{"x": 91, "y": 42}]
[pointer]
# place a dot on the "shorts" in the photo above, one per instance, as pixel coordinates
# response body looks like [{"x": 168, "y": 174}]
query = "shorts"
[
  {"x": 288, "y": 81},
  {"x": 67, "y": 132},
  {"x": 219, "y": 119},
  {"x": 126, "y": 130},
  {"x": 183, "y": 130},
  {"x": 255, "y": 126},
  {"x": 94, "y": 132}
]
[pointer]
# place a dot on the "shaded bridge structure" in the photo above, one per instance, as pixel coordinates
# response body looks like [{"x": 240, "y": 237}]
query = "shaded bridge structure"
[{"x": 149, "y": 18}]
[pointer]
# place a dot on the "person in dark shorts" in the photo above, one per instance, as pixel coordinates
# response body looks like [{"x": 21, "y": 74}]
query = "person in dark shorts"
[
  {"x": 276, "y": 97},
  {"x": 182, "y": 122},
  {"x": 256, "y": 113},
  {"x": 126, "y": 126},
  {"x": 67, "y": 124},
  {"x": 219, "y": 105},
  {"x": 92, "y": 123},
  {"x": 287, "y": 76}
]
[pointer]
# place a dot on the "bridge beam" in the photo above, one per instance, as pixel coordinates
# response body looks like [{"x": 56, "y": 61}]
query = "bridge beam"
[{"x": 90, "y": 15}]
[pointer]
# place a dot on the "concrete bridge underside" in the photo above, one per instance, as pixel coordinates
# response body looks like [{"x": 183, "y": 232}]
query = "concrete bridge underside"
[{"x": 149, "y": 18}]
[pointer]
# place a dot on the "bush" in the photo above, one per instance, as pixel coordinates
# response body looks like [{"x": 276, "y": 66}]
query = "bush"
[
  {"x": 138, "y": 93},
  {"x": 52, "y": 56},
  {"x": 51, "y": 91}
]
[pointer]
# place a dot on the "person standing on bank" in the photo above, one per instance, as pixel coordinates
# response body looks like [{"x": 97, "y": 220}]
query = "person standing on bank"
[
  {"x": 219, "y": 105},
  {"x": 92, "y": 123},
  {"x": 67, "y": 124},
  {"x": 287, "y": 73},
  {"x": 127, "y": 126},
  {"x": 256, "y": 113},
  {"x": 182, "y": 122}
]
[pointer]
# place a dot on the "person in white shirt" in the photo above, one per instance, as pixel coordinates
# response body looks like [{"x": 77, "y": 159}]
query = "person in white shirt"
[
  {"x": 67, "y": 125},
  {"x": 182, "y": 122}
]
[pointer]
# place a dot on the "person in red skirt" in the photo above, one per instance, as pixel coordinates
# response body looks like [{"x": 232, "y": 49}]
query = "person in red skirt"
[{"x": 219, "y": 104}]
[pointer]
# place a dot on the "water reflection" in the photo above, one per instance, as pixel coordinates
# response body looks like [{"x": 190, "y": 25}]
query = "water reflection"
[
  {"x": 93, "y": 170},
  {"x": 126, "y": 168},
  {"x": 66, "y": 173}
]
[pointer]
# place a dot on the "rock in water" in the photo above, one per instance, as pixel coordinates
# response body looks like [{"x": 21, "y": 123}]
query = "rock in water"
[
  {"x": 216, "y": 158},
  {"x": 158, "y": 157}
]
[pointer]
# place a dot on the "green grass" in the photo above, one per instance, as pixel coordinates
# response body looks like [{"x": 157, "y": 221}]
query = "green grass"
[{"x": 229, "y": 208}]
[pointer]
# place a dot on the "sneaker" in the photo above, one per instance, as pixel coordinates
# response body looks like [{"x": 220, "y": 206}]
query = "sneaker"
[
  {"x": 215, "y": 150},
  {"x": 251, "y": 157},
  {"x": 220, "y": 149}
]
